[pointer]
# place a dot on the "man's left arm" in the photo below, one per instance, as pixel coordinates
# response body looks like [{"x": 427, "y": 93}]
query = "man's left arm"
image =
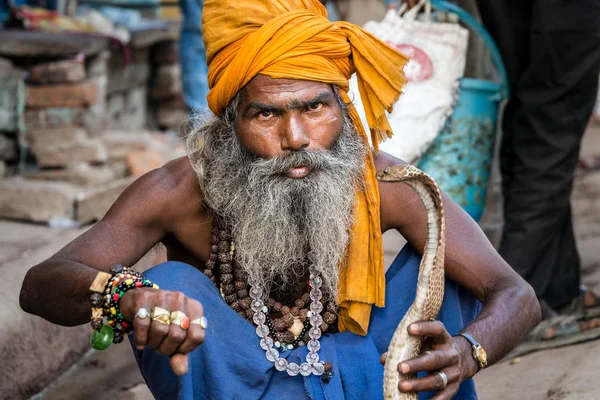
[{"x": 510, "y": 308}]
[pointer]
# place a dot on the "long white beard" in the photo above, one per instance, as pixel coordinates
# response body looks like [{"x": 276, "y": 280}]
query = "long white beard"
[{"x": 281, "y": 226}]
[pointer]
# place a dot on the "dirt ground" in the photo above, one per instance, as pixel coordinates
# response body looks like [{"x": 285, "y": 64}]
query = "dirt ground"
[{"x": 565, "y": 373}]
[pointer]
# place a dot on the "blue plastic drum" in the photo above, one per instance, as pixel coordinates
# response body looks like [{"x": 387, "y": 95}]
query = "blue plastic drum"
[{"x": 460, "y": 158}]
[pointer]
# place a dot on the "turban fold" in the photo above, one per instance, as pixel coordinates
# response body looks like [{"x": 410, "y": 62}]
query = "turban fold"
[{"x": 293, "y": 39}]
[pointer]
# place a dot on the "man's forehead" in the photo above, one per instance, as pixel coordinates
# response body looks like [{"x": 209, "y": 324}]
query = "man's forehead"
[{"x": 265, "y": 89}]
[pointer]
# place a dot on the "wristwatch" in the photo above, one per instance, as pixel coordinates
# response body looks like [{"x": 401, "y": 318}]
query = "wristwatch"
[{"x": 479, "y": 353}]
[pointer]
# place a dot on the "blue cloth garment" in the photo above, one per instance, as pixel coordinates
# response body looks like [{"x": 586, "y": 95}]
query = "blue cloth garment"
[
  {"x": 231, "y": 365},
  {"x": 192, "y": 54}
]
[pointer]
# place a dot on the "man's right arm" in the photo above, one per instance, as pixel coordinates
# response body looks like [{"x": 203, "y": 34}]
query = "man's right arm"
[{"x": 58, "y": 288}]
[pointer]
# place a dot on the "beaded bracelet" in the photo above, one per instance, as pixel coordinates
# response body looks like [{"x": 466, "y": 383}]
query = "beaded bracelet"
[
  {"x": 115, "y": 319},
  {"x": 108, "y": 289}
]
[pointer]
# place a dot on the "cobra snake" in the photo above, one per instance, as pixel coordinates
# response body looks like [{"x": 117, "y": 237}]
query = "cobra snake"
[{"x": 430, "y": 282}]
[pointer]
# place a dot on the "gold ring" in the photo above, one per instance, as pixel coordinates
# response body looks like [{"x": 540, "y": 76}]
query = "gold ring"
[
  {"x": 180, "y": 319},
  {"x": 177, "y": 314},
  {"x": 203, "y": 322},
  {"x": 161, "y": 315}
]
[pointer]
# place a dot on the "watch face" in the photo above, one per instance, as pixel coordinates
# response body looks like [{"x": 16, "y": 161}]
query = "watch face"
[{"x": 481, "y": 355}]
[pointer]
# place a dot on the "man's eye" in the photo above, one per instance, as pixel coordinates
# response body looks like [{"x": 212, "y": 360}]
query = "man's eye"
[
  {"x": 315, "y": 106},
  {"x": 265, "y": 114}
]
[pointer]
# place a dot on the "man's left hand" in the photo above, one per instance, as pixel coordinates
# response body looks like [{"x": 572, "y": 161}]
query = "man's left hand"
[{"x": 440, "y": 354}]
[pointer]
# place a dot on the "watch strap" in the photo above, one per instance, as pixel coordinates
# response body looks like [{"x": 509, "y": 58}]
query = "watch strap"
[
  {"x": 476, "y": 350},
  {"x": 469, "y": 339}
]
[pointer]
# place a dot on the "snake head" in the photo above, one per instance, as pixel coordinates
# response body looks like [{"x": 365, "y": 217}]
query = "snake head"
[{"x": 383, "y": 175}]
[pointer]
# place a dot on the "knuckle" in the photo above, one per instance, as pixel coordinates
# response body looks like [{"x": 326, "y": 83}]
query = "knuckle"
[
  {"x": 439, "y": 326},
  {"x": 454, "y": 374},
  {"x": 180, "y": 297},
  {"x": 195, "y": 305},
  {"x": 142, "y": 296},
  {"x": 170, "y": 295},
  {"x": 164, "y": 296},
  {"x": 195, "y": 336},
  {"x": 159, "y": 329},
  {"x": 454, "y": 357},
  {"x": 436, "y": 357},
  {"x": 177, "y": 335}
]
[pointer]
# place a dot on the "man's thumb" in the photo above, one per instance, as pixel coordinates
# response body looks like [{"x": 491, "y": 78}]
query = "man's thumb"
[{"x": 179, "y": 364}]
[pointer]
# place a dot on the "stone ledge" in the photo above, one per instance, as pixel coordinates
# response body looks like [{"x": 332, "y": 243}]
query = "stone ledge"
[
  {"x": 80, "y": 175},
  {"x": 36, "y": 201}
]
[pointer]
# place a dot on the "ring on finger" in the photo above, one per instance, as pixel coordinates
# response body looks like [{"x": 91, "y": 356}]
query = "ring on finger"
[
  {"x": 180, "y": 319},
  {"x": 142, "y": 313},
  {"x": 203, "y": 322},
  {"x": 161, "y": 315},
  {"x": 444, "y": 379}
]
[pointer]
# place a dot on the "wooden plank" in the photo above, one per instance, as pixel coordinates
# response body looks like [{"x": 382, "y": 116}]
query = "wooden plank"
[
  {"x": 146, "y": 37},
  {"x": 23, "y": 43}
]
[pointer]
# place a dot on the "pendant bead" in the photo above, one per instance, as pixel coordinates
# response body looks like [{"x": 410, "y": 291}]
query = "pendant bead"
[
  {"x": 297, "y": 327},
  {"x": 102, "y": 338}
]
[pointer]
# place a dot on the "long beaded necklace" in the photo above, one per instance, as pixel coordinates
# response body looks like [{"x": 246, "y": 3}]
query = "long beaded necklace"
[{"x": 276, "y": 334}]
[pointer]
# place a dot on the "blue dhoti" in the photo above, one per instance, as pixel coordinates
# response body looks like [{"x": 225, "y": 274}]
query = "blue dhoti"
[{"x": 230, "y": 364}]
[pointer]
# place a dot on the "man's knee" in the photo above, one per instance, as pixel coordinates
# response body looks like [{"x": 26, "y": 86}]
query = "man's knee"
[{"x": 180, "y": 277}]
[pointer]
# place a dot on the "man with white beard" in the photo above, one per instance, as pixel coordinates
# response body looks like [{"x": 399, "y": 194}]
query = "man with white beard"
[{"x": 275, "y": 285}]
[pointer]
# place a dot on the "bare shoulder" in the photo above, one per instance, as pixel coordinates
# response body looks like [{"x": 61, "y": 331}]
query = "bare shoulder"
[
  {"x": 397, "y": 199},
  {"x": 164, "y": 193},
  {"x": 176, "y": 179},
  {"x": 383, "y": 160}
]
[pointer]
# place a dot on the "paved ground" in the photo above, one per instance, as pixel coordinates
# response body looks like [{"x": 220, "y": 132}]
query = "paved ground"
[
  {"x": 567, "y": 373},
  {"x": 570, "y": 372}
]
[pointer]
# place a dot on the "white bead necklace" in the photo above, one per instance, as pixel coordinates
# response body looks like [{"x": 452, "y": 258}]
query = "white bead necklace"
[{"x": 312, "y": 364}]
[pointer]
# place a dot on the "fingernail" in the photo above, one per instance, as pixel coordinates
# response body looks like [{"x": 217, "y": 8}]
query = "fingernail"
[{"x": 405, "y": 368}]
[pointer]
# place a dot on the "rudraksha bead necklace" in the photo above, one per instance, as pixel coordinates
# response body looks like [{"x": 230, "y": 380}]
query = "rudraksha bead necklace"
[{"x": 293, "y": 327}]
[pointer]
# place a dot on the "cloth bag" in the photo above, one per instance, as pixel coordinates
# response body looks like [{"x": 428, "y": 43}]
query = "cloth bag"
[{"x": 437, "y": 52}]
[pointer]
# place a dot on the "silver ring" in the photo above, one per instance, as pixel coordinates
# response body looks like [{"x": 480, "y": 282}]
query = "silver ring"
[
  {"x": 203, "y": 322},
  {"x": 142, "y": 313},
  {"x": 444, "y": 379}
]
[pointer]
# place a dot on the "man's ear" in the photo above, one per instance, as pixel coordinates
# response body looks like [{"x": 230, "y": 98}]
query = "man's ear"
[{"x": 231, "y": 113}]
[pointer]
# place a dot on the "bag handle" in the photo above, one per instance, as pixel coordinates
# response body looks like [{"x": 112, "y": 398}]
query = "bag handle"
[
  {"x": 489, "y": 42},
  {"x": 411, "y": 14}
]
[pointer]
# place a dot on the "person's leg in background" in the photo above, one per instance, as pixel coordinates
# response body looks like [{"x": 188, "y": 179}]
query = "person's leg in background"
[
  {"x": 552, "y": 52},
  {"x": 559, "y": 99},
  {"x": 192, "y": 55},
  {"x": 596, "y": 113}
]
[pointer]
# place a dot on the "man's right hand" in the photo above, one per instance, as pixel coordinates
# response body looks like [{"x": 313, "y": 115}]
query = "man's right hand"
[{"x": 170, "y": 340}]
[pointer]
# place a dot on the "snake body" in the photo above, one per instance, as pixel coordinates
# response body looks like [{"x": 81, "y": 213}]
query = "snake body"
[{"x": 430, "y": 282}]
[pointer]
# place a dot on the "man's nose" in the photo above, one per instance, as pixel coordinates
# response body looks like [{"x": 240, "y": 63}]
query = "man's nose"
[{"x": 294, "y": 136}]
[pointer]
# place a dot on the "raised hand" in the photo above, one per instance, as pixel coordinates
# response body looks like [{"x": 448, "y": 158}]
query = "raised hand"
[{"x": 169, "y": 322}]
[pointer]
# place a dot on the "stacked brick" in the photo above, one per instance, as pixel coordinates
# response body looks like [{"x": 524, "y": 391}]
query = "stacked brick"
[
  {"x": 12, "y": 98},
  {"x": 79, "y": 130},
  {"x": 127, "y": 89},
  {"x": 166, "y": 94},
  {"x": 59, "y": 101},
  {"x": 79, "y": 163}
]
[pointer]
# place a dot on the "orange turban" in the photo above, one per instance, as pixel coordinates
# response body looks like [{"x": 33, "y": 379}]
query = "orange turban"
[{"x": 293, "y": 39}]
